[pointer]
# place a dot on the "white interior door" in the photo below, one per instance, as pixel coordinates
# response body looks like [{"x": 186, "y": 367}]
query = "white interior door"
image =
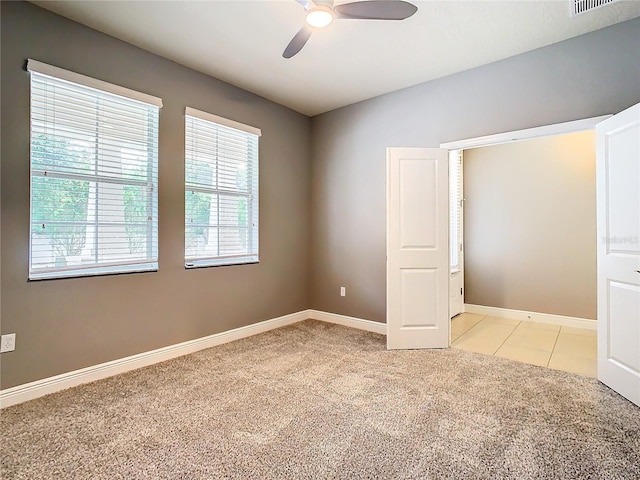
[
  {"x": 618, "y": 204},
  {"x": 417, "y": 248}
]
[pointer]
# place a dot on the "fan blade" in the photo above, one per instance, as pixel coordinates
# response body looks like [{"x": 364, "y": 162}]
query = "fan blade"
[
  {"x": 297, "y": 42},
  {"x": 307, "y": 4},
  {"x": 376, "y": 10},
  {"x": 326, "y": 3}
]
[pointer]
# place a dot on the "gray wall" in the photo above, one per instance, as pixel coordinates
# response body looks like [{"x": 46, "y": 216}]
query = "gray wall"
[
  {"x": 530, "y": 225},
  {"x": 62, "y": 325},
  {"x": 587, "y": 76}
]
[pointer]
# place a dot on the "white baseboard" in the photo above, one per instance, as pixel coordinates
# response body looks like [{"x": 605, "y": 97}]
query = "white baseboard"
[
  {"x": 39, "y": 388},
  {"x": 525, "y": 316},
  {"x": 353, "y": 322}
]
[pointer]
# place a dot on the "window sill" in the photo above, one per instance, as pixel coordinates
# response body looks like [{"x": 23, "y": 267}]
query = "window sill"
[
  {"x": 221, "y": 262},
  {"x": 92, "y": 272}
]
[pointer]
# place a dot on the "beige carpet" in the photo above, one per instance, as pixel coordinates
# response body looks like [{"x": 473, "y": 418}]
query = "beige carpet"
[{"x": 315, "y": 400}]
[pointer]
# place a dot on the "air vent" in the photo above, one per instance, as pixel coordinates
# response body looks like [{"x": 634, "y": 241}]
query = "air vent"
[{"x": 582, "y": 6}]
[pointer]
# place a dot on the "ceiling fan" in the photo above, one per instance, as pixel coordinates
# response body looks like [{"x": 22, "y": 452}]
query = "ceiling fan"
[{"x": 321, "y": 13}]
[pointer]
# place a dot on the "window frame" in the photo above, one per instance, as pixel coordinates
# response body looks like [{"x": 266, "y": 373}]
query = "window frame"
[
  {"x": 250, "y": 134},
  {"x": 149, "y": 181}
]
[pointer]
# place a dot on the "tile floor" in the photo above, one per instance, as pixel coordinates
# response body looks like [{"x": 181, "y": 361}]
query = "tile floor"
[{"x": 563, "y": 348}]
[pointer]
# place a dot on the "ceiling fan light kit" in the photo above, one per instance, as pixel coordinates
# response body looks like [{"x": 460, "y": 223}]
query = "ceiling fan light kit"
[
  {"x": 321, "y": 13},
  {"x": 320, "y": 16}
]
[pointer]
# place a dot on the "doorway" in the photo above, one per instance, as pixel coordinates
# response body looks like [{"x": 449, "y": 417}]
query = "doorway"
[
  {"x": 456, "y": 162},
  {"x": 530, "y": 228},
  {"x": 529, "y": 206}
]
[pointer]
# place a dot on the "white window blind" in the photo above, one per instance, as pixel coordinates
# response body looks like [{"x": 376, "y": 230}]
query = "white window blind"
[
  {"x": 221, "y": 191},
  {"x": 94, "y": 175},
  {"x": 455, "y": 208}
]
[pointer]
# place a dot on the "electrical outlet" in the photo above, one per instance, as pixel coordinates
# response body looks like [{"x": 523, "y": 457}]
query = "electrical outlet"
[
  {"x": 343, "y": 291},
  {"x": 8, "y": 343}
]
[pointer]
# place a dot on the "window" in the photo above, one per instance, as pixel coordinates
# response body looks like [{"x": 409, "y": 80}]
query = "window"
[
  {"x": 455, "y": 208},
  {"x": 94, "y": 176},
  {"x": 221, "y": 191}
]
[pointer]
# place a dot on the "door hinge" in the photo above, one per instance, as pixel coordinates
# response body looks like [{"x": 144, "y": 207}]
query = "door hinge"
[{"x": 460, "y": 290}]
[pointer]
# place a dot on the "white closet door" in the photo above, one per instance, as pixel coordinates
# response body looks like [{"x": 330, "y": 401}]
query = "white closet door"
[
  {"x": 618, "y": 204},
  {"x": 417, "y": 248}
]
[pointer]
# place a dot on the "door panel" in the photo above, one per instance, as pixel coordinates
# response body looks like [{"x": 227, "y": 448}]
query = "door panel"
[
  {"x": 419, "y": 296},
  {"x": 623, "y": 327},
  {"x": 417, "y": 186},
  {"x": 622, "y": 191},
  {"x": 417, "y": 248},
  {"x": 618, "y": 204}
]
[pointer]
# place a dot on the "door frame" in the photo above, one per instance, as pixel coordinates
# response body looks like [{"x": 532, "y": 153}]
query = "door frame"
[{"x": 526, "y": 134}]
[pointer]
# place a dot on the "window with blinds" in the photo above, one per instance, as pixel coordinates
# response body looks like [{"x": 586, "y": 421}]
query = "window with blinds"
[
  {"x": 94, "y": 176},
  {"x": 455, "y": 209},
  {"x": 221, "y": 191}
]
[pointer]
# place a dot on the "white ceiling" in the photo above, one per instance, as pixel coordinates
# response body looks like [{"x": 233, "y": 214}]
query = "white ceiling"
[{"x": 241, "y": 41}]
